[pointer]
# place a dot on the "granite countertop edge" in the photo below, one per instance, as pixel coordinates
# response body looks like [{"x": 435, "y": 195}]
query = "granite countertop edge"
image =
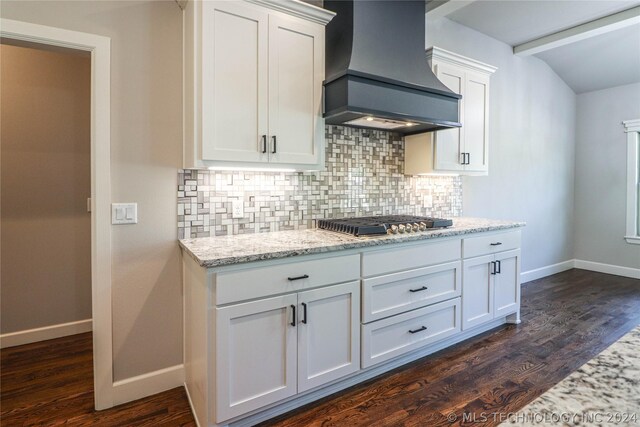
[{"x": 212, "y": 252}]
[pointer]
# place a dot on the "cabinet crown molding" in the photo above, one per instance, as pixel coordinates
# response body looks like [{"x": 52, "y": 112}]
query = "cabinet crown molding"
[
  {"x": 631, "y": 125},
  {"x": 298, "y": 8},
  {"x": 436, "y": 53}
]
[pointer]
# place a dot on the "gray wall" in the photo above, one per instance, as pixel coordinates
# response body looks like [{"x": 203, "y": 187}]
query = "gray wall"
[
  {"x": 146, "y": 151},
  {"x": 46, "y": 179},
  {"x": 601, "y": 159},
  {"x": 532, "y": 144}
]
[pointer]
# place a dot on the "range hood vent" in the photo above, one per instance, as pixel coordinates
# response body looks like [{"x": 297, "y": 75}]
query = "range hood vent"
[{"x": 377, "y": 70}]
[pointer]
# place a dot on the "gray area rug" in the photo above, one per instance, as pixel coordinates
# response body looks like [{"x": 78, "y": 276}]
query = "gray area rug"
[{"x": 603, "y": 392}]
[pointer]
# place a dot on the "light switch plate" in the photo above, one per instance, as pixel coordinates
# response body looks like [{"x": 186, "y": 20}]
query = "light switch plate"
[{"x": 124, "y": 213}]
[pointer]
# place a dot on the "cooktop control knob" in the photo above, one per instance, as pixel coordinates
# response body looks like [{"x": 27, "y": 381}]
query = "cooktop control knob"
[
  {"x": 393, "y": 229},
  {"x": 415, "y": 227},
  {"x": 409, "y": 228},
  {"x": 401, "y": 228},
  {"x": 422, "y": 226}
]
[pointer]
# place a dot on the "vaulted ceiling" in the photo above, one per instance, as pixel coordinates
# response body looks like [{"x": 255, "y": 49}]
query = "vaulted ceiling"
[{"x": 591, "y": 45}]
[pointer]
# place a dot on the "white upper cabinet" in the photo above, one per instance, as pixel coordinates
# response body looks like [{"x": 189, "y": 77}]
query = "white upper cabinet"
[
  {"x": 253, "y": 84},
  {"x": 462, "y": 150}
]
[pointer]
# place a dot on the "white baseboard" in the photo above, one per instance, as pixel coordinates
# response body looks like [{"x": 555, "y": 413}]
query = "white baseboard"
[
  {"x": 147, "y": 384},
  {"x": 45, "y": 333},
  {"x": 633, "y": 273},
  {"x": 193, "y": 411},
  {"x": 548, "y": 270}
]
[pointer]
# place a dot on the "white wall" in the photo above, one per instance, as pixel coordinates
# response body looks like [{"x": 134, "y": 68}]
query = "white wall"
[
  {"x": 146, "y": 152},
  {"x": 532, "y": 143},
  {"x": 601, "y": 156}
]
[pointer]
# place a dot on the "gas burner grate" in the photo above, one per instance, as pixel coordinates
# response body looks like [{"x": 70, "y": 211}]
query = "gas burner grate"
[{"x": 377, "y": 225}]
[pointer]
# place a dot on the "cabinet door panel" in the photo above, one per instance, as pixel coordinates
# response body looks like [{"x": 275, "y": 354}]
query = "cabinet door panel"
[
  {"x": 295, "y": 90},
  {"x": 477, "y": 291},
  {"x": 255, "y": 355},
  {"x": 448, "y": 142},
  {"x": 476, "y": 107},
  {"x": 329, "y": 341},
  {"x": 234, "y": 82},
  {"x": 507, "y": 283}
]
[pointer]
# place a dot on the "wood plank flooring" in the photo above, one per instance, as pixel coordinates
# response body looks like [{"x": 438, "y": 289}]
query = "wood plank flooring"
[
  {"x": 51, "y": 383},
  {"x": 568, "y": 318}
]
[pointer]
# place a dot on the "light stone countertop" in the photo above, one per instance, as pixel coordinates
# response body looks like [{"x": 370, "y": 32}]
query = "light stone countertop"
[{"x": 242, "y": 248}]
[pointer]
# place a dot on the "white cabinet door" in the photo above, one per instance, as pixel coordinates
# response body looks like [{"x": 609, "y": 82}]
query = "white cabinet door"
[
  {"x": 449, "y": 143},
  {"x": 328, "y": 334},
  {"x": 477, "y": 291},
  {"x": 507, "y": 283},
  {"x": 255, "y": 355},
  {"x": 234, "y": 82},
  {"x": 296, "y": 72},
  {"x": 476, "y": 121}
]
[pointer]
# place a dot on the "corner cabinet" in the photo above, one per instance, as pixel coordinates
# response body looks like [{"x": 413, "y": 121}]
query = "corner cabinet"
[
  {"x": 463, "y": 150},
  {"x": 253, "y": 84}
]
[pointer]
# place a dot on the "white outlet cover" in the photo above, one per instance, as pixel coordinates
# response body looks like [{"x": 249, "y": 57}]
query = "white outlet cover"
[
  {"x": 238, "y": 209},
  {"x": 124, "y": 213},
  {"x": 428, "y": 201}
]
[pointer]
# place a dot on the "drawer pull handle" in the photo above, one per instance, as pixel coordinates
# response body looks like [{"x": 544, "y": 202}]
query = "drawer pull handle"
[
  {"x": 498, "y": 267},
  {"x": 496, "y": 244},
  {"x": 291, "y": 279},
  {"x": 424, "y": 288},
  {"x": 415, "y": 331},
  {"x": 264, "y": 144},
  {"x": 493, "y": 267},
  {"x": 304, "y": 313},
  {"x": 293, "y": 317}
]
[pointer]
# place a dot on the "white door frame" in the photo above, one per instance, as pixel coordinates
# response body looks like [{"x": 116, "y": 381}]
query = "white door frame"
[{"x": 100, "y": 48}]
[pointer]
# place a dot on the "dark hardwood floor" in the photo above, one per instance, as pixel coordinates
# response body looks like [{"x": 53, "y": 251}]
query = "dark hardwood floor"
[
  {"x": 51, "y": 383},
  {"x": 567, "y": 318}
]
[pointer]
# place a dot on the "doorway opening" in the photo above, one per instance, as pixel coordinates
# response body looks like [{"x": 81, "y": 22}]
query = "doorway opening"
[
  {"x": 45, "y": 182},
  {"x": 28, "y": 163}
]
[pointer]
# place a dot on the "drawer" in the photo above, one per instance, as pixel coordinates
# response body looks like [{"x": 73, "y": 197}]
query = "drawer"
[
  {"x": 394, "y": 336},
  {"x": 415, "y": 256},
  {"x": 259, "y": 282},
  {"x": 490, "y": 243},
  {"x": 395, "y": 293}
]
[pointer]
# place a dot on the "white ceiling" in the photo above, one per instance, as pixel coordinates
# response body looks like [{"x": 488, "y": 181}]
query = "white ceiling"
[
  {"x": 602, "y": 61},
  {"x": 518, "y": 21}
]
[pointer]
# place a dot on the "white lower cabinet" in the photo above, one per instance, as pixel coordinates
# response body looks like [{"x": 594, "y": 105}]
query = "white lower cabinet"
[
  {"x": 256, "y": 355},
  {"x": 273, "y": 348},
  {"x": 266, "y": 337},
  {"x": 490, "y": 287},
  {"x": 328, "y": 334}
]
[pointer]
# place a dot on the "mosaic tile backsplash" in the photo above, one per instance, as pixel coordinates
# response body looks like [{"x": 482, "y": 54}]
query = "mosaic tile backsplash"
[{"x": 363, "y": 176}]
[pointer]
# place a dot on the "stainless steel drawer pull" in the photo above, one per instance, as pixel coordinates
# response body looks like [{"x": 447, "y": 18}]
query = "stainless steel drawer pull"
[
  {"x": 414, "y": 331},
  {"x": 291, "y": 279},
  {"x": 496, "y": 244},
  {"x": 424, "y": 288}
]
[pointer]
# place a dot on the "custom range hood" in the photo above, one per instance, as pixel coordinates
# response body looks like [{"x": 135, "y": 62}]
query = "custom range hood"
[{"x": 377, "y": 74}]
